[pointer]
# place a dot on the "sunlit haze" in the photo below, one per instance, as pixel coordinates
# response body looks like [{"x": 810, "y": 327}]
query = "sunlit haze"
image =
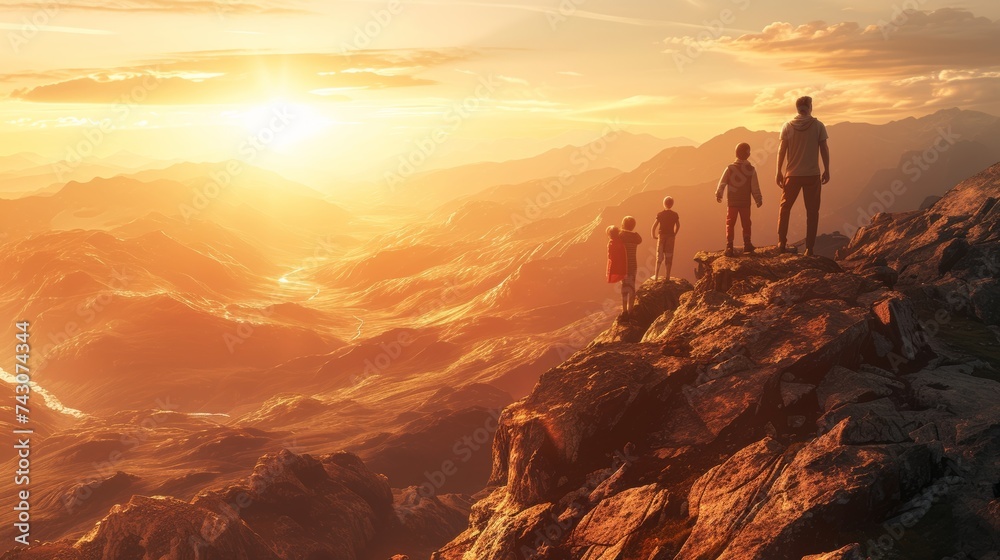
[{"x": 364, "y": 82}]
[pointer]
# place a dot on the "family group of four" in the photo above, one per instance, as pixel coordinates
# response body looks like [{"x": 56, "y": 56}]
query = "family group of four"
[{"x": 803, "y": 143}]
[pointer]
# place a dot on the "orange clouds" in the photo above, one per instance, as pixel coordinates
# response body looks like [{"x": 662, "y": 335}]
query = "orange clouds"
[
  {"x": 910, "y": 62},
  {"x": 909, "y": 43}
]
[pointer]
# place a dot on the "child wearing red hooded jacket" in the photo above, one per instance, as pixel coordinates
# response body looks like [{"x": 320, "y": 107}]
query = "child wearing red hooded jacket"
[{"x": 617, "y": 265}]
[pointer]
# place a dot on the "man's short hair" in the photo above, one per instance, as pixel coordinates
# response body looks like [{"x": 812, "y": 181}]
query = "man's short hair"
[
  {"x": 668, "y": 202},
  {"x": 803, "y": 103},
  {"x": 628, "y": 224}
]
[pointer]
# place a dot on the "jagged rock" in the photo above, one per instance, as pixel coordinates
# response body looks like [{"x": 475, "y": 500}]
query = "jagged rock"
[
  {"x": 971, "y": 402},
  {"x": 340, "y": 504},
  {"x": 654, "y": 298},
  {"x": 573, "y": 403},
  {"x": 605, "y": 530},
  {"x": 792, "y": 393},
  {"x": 884, "y": 275},
  {"x": 816, "y": 284},
  {"x": 724, "y": 499},
  {"x": 826, "y": 486},
  {"x": 429, "y": 522},
  {"x": 153, "y": 528},
  {"x": 850, "y": 552},
  {"x": 984, "y": 295},
  {"x": 741, "y": 276},
  {"x": 720, "y": 402},
  {"x": 947, "y": 247},
  {"x": 290, "y": 507},
  {"x": 897, "y": 322},
  {"x": 772, "y": 405},
  {"x": 842, "y": 386}
]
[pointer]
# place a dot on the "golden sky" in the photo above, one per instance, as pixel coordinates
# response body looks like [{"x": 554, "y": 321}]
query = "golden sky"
[{"x": 351, "y": 84}]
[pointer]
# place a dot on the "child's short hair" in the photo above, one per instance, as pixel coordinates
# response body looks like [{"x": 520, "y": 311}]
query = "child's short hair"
[
  {"x": 668, "y": 202},
  {"x": 743, "y": 150},
  {"x": 628, "y": 224},
  {"x": 613, "y": 232}
]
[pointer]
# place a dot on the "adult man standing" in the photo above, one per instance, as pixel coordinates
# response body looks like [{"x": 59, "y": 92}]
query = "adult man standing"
[{"x": 803, "y": 141}]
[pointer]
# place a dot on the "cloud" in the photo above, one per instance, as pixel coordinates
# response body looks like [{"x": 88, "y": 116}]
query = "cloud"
[
  {"x": 222, "y": 7},
  {"x": 914, "y": 42},
  {"x": 913, "y": 62},
  {"x": 852, "y": 99},
  {"x": 57, "y": 29},
  {"x": 235, "y": 77}
]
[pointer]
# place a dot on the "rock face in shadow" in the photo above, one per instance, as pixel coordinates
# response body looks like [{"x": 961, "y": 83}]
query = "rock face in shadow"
[
  {"x": 291, "y": 507},
  {"x": 782, "y": 408}
]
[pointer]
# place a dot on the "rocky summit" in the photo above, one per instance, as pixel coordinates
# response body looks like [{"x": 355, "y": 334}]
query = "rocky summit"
[{"x": 784, "y": 407}]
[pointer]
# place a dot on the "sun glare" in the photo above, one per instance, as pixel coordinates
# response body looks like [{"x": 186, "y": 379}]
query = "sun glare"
[{"x": 282, "y": 125}]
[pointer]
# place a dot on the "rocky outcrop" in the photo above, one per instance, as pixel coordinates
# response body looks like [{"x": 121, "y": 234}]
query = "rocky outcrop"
[
  {"x": 950, "y": 250},
  {"x": 290, "y": 507},
  {"x": 782, "y": 408},
  {"x": 654, "y": 303}
]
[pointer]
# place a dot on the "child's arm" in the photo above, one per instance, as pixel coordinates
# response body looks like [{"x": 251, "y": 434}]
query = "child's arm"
[
  {"x": 755, "y": 189},
  {"x": 723, "y": 181}
]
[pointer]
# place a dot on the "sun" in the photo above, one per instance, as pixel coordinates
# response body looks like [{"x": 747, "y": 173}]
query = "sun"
[{"x": 287, "y": 124}]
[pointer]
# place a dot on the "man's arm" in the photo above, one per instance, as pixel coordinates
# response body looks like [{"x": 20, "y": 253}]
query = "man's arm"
[
  {"x": 782, "y": 151},
  {"x": 652, "y": 231},
  {"x": 824, "y": 151},
  {"x": 677, "y": 225}
]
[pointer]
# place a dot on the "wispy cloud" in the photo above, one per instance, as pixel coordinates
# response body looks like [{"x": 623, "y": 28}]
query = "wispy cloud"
[
  {"x": 236, "y": 77},
  {"x": 165, "y": 6},
  {"x": 57, "y": 29},
  {"x": 555, "y": 10}
]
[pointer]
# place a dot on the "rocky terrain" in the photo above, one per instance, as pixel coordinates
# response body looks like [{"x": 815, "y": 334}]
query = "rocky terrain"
[
  {"x": 778, "y": 407},
  {"x": 783, "y": 407}
]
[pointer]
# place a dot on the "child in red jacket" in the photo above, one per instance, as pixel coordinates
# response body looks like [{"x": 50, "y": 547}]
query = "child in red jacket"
[{"x": 616, "y": 256}]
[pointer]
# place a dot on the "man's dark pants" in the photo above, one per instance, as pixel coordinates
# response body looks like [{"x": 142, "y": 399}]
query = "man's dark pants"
[{"x": 810, "y": 187}]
